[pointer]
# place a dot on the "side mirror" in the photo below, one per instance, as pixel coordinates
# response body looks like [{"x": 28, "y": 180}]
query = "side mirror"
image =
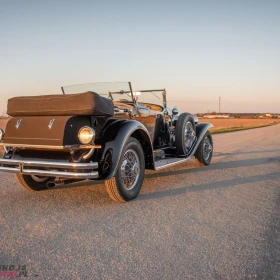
[{"x": 175, "y": 111}]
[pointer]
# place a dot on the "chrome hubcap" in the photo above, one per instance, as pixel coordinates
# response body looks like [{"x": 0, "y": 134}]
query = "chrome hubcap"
[
  {"x": 39, "y": 179},
  {"x": 189, "y": 135},
  {"x": 207, "y": 148},
  {"x": 130, "y": 169}
]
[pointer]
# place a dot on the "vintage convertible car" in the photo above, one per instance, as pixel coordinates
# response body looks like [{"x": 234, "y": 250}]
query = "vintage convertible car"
[{"x": 101, "y": 131}]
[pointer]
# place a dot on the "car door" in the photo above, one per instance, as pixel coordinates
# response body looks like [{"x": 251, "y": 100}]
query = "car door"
[{"x": 147, "y": 117}]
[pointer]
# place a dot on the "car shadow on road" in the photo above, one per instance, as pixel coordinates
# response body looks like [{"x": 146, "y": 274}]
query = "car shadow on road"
[
  {"x": 83, "y": 183},
  {"x": 96, "y": 190},
  {"x": 216, "y": 166},
  {"x": 212, "y": 167},
  {"x": 271, "y": 259},
  {"x": 211, "y": 186}
]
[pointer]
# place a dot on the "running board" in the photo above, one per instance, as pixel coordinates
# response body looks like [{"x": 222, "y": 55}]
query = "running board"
[
  {"x": 201, "y": 129},
  {"x": 167, "y": 162}
]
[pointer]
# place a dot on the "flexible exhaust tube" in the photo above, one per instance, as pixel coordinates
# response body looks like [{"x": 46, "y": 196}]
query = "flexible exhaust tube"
[{"x": 85, "y": 155}]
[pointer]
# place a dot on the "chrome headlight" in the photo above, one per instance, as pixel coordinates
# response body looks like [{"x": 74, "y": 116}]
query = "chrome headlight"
[
  {"x": 1, "y": 134},
  {"x": 86, "y": 135}
]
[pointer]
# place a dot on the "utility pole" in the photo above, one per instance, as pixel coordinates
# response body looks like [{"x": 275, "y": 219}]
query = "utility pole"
[{"x": 220, "y": 104}]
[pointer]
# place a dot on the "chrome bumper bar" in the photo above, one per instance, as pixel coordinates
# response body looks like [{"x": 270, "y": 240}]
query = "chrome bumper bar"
[
  {"x": 53, "y": 169},
  {"x": 50, "y": 147}
]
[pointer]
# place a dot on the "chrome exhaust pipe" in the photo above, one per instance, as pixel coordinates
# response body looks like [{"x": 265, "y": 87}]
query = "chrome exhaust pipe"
[{"x": 53, "y": 184}]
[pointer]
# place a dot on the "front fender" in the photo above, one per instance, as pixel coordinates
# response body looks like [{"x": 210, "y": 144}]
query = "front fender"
[
  {"x": 116, "y": 134},
  {"x": 201, "y": 129}
]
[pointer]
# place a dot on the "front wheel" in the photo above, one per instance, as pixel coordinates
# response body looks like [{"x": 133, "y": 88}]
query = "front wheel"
[
  {"x": 204, "y": 151},
  {"x": 129, "y": 176},
  {"x": 33, "y": 182}
]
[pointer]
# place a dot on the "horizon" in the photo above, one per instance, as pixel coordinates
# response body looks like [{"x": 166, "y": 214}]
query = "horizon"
[{"x": 198, "y": 52}]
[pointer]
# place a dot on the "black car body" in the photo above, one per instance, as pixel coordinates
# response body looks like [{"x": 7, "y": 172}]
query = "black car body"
[{"x": 103, "y": 131}]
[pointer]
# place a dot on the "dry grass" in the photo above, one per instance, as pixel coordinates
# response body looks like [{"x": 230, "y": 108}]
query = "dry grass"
[{"x": 227, "y": 125}]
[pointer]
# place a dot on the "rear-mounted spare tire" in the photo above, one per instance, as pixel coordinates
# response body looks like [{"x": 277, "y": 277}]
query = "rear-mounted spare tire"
[{"x": 185, "y": 134}]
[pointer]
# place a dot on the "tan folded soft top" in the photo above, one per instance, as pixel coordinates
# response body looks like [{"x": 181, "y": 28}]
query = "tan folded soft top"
[{"x": 88, "y": 103}]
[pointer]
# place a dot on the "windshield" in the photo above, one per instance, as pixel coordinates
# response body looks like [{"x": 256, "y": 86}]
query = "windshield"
[
  {"x": 119, "y": 92},
  {"x": 115, "y": 91},
  {"x": 150, "y": 96}
]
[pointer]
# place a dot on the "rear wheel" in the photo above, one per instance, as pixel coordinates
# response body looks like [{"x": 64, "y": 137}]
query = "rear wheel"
[
  {"x": 185, "y": 134},
  {"x": 204, "y": 151},
  {"x": 33, "y": 182},
  {"x": 129, "y": 176}
]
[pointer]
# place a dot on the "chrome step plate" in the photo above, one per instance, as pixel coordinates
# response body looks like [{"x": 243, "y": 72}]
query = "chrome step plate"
[{"x": 166, "y": 162}]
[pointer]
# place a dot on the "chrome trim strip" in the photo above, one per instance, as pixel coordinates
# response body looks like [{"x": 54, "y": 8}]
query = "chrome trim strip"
[
  {"x": 10, "y": 169},
  {"x": 50, "y": 147},
  {"x": 37, "y": 163},
  {"x": 62, "y": 174},
  {"x": 26, "y": 138}
]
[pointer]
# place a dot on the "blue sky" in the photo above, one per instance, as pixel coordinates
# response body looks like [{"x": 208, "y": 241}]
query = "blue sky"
[{"x": 197, "y": 50}]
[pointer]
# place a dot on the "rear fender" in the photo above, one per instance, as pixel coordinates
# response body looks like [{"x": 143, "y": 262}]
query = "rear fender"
[{"x": 115, "y": 135}]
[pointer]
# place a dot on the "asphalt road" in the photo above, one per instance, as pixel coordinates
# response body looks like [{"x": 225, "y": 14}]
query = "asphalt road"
[{"x": 189, "y": 222}]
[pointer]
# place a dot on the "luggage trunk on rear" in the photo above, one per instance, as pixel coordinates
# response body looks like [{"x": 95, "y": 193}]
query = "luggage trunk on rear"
[
  {"x": 45, "y": 130},
  {"x": 55, "y": 120},
  {"x": 88, "y": 103}
]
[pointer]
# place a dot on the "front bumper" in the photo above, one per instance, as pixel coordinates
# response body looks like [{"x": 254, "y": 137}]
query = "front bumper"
[{"x": 50, "y": 168}]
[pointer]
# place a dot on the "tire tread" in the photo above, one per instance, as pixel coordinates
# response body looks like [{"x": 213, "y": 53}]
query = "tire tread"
[
  {"x": 199, "y": 152},
  {"x": 179, "y": 141},
  {"x": 29, "y": 184},
  {"x": 21, "y": 181},
  {"x": 111, "y": 187}
]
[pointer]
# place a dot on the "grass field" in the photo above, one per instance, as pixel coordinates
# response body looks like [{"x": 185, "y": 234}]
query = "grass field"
[{"x": 228, "y": 125}]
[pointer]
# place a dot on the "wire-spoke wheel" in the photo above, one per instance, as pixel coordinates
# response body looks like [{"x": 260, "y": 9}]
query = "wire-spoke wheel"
[
  {"x": 189, "y": 135},
  {"x": 185, "y": 134},
  {"x": 130, "y": 169},
  {"x": 207, "y": 148},
  {"x": 129, "y": 176},
  {"x": 204, "y": 151}
]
